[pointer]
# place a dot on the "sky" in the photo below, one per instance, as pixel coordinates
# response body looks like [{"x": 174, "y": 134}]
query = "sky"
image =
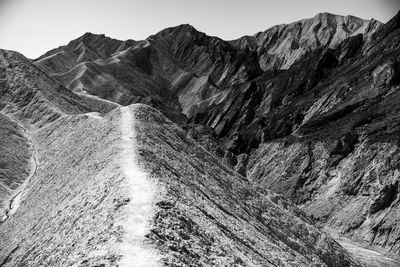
[{"x": 33, "y": 27}]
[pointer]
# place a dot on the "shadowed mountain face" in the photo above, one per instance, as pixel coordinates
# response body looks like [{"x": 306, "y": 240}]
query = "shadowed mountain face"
[{"x": 304, "y": 113}]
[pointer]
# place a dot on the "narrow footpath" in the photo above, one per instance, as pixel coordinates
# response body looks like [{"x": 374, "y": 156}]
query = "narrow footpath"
[{"x": 139, "y": 210}]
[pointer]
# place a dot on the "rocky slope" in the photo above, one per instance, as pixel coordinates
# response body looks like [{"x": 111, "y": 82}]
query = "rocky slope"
[
  {"x": 222, "y": 218},
  {"x": 131, "y": 188},
  {"x": 16, "y": 162},
  {"x": 324, "y": 134},
  {"x": 308, "y": 110},
  {"x": 113, "y": 186},
  {"x": 333, "y": 149},
  {"x": 33, "y": 97},
  {"x": 281, "y": 46},
  {"x": 28, "y": 97}
]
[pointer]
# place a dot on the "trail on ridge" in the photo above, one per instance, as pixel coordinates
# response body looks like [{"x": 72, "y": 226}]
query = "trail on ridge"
[{"x": 139, "y": 210}]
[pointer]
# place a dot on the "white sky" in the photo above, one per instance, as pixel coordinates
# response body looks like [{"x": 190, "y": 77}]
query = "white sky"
[{"x": 33, "y": 27}]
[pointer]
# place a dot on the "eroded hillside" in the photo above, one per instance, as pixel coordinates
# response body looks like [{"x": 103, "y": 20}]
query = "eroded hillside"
[
  {"x": 308, "y": 110},
  {"x": 17, "y": 162},
  {"x": 131, "y": 186},
  {"x": 283, "y": 45}
]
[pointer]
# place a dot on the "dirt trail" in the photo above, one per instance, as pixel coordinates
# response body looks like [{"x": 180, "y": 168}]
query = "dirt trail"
[
  {"x": 140, "y": 208},
  {"x": 84, "y": 94}
]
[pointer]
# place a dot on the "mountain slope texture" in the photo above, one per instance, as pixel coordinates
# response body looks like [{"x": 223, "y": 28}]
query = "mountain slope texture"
[{"x": 277, "y": 149}]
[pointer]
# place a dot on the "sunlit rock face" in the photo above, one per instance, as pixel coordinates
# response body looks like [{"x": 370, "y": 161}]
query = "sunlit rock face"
[
  {"x": 281, "y": 46},
  {"x": 249, "y": 149}
]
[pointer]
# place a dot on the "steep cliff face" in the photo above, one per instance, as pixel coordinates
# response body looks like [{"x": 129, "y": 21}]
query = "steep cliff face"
[{"x": 339, "y": 160}]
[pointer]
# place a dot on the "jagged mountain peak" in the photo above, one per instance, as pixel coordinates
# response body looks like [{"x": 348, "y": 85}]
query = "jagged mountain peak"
[
  {"x": 99, "y": 44},
  {"x": 186, "y": 28},
  {"x": 348, "y": 23},
  {"x": 90, "y": 35},
  {"x": 89, "y": 38},
  {"x": 322, "y": 17},
  {"x": 332, "y": 16},
  {"x": 90, "y": 46},
  {"x": 185, "y": 33},
  {"x": 280, "y": 46}
]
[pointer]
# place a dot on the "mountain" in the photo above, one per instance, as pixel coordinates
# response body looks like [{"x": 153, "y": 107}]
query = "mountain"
[
  {"x": 255, "y": 151},
  {"x": 330, "y": 144},
  {"x": 157, "y": 71},
  {"x": 29, "y": 100},
  {"x": 89, "y": 168},
  {"x": 281, "y": 46},
  {"x": 30, "y": 94},
  {"x": 179, "y": 70}
]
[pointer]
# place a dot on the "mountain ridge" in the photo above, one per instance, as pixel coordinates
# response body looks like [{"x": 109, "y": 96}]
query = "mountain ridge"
[
  {"x": 198, "y": 216},
  {"x": 296, "y": 38}
]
